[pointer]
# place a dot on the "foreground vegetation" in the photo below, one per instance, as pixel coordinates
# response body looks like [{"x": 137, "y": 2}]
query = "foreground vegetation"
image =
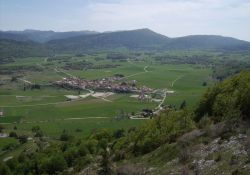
[{"x": 164, "y": 143}]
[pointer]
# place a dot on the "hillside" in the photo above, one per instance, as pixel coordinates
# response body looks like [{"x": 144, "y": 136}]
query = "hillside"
[
  {"x": 204, "y": 42},
  {"x": 18, "y": 49},
  {"x": 41, "y": 36},
  {"x": 135, "y": 39},
  {"x": 146, "y": 39}
]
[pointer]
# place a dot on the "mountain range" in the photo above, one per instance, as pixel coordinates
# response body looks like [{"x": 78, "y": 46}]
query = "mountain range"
[
  {"x": 41, "y": 36},
  {"x": 81, "y": 41}
]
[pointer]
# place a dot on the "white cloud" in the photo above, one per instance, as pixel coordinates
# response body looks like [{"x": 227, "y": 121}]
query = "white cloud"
[
  {"x": 170, "y": 17},
  {"x": 173, "y": 17}
]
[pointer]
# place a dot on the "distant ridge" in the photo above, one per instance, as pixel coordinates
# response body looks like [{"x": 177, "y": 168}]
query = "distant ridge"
[
  {"x": 41, "y": 36},
  {"x": 204, "y": 42},
  {"x": 81, "y": 41},
  {"x": 133, "y": 39},
  {"x": 146, "y": 39}
]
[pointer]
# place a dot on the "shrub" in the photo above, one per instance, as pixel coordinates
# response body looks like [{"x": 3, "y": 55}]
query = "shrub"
[
  {"x": 83, "y": 150},
  {"x": 23, "y": 139},
  {"x": 65, "y": 136},
  {"x": 13, "y": 134},
  {"x": 10, "y": 146},
  {"x": 55, "y": 164},
  {"x": 4, "y": 170},
  {"x": 227, "y": 100}
]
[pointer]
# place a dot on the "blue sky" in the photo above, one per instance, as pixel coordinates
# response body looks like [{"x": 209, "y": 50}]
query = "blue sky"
[{"x": 172, "y": 18}]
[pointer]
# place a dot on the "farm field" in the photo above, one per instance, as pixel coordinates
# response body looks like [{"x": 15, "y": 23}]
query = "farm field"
[{"x": 49, "y": 108}]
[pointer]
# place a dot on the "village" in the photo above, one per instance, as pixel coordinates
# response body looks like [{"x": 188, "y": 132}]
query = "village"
[
  {"x": 116, "y": 84},
  {"x": 111, "y": 84}
]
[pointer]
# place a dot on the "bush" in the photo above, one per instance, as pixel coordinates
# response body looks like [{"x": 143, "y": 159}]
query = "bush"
[
  {"x": 10, "y": 146},
  {"x": 205, "y": 122},
  {"x": 118, "y": 133},
  {"x": 35, "y": 128},
  {"x": 83, "y": 150},
  {"x": 92, "y": 146},
  {"x": 184, "y": 156},
  {"x": 39, "y": 133},
  {"x": 83, "y": 161},
  {"x": 70, "y": 156},
  {"x": 13, "y": 134},
  {"x": 55, "y": 164},
  {"x": 65, "y": 136},
  {"x": 227, "y": 100},
  {"x": 233, "y": 160},
  {"x": 1, "y": 128},
  {"x": 4, "y": 170},
  {"x": 218, "y": 158},
  {"x": 23, "y": 139}
]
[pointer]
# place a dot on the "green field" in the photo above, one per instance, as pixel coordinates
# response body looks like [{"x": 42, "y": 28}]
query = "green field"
[{"x": 48, "y": 107}]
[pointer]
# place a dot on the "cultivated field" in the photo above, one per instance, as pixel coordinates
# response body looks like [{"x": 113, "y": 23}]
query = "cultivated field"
[{"x": 49, "y": 108}]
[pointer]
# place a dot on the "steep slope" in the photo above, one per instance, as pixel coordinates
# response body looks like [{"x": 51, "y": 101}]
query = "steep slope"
[{"x": 220, "y": 143}]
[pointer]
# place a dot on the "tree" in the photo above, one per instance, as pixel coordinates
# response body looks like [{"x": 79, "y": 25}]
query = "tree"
[
  {"x": 1, "y": 128},
  {"x": 13, "y": 134},
  {"x": 23, "y": 139},
  {"x": 65, "y": 136},
  {"x": 13, "y": 79},
  {"x": 55, "y": 164},
  {"x": 228, "y": 99},
  {"x": 204, "y": 83},
  {"x": 39, "y": 133},
  {"x": 70, "y": 156},
  {"x": 83, "y": 150},
  {"x": 105, "y": 164},
  {"x": 119, "y": 133},
  {"x": 35, "y": 128},
  {"x": 4, "y": 170},
  {"x": 183, "y": 104}
]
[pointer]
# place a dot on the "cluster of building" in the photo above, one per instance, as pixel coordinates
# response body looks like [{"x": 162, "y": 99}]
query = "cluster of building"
[
  {"x": 113, "y": 84},
  {"x": 1, "y": 113}
]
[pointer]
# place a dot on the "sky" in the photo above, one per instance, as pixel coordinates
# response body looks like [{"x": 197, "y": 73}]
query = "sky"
[{"x": 172, "y": 18}]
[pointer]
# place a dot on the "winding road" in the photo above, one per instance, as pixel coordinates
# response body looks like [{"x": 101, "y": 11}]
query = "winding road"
[
  {"x": 132, "y": 75},
  {"x": 173, "y": 82}
]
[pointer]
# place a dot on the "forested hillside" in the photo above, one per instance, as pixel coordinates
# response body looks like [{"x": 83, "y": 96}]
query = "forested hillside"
[
  {"x": 18, "y": 49},
  {"x": 41, "y": 36}
]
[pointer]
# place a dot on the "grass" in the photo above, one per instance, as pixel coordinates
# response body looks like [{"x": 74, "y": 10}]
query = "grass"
[
  {"x": 49, "y": 109},
  {"x": 55, "y": 128},
  {"x": 7, "y": 141}
]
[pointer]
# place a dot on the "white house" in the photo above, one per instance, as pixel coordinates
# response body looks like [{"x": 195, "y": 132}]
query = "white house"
[{"x": 1, "y": 113}]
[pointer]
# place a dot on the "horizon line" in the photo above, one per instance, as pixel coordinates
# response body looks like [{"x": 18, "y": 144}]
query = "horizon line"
[{"x": 111, "y": 31}]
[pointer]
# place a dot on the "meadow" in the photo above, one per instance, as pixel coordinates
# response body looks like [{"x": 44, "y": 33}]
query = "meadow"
[{"x": 49, "y": 108}]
